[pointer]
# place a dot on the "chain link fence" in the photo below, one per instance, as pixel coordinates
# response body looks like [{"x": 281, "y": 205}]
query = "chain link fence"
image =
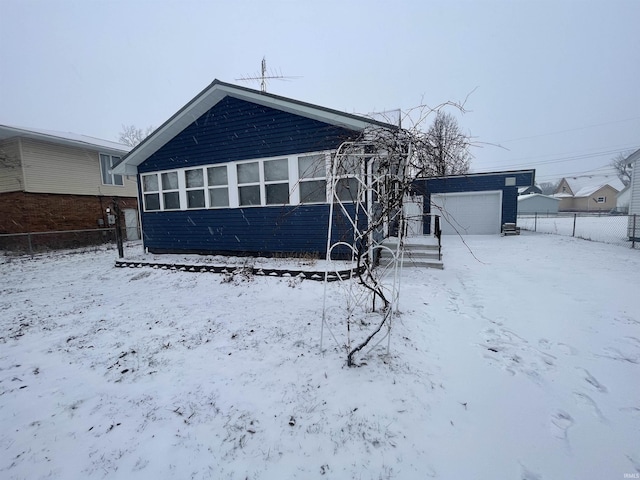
[
  {"x": 615, "y": 229},
  {"x": 39, "y": 242}
]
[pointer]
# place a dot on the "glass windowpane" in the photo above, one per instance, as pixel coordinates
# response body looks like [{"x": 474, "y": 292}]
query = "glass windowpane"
[
  {"x": 249, "y": 195},
  {"x": 117, "y": 180},
  {"x": 217, "y": 175},
  {"x": 312, "y": 166},
  {"x": 347, "y": 189},
  {"x": 313, "y": 192},
  {"x": 170, "y": 181},
  {"x": 219, "y": 197},
  {"x": 150, "y": 183},
  {"x": 277, "y": 194},
  {"x": 276, "y": 170},
  {"x": 171, "y": 200},
  {"x": 152, "y": 201},
  {"x": 248, "y": 173},
  {"x": 194, "y": 178},
  {"x": 104, "y": 169},
  {"x": 195, "y": 199}
]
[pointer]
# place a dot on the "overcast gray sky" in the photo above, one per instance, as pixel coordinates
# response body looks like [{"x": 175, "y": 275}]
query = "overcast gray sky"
[{"x": 556, "y": 83}]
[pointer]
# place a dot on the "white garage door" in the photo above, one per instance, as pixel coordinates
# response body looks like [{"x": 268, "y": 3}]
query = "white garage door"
[{"x": 471, "y": 213}]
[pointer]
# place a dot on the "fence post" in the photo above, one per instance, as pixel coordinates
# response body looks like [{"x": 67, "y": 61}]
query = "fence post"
[
  {"x": 633, "y": 231},
  {"x": 30, "y": 246},
  {"x": 535, "y": 222},
  {"x": 117, "y": 212},
  {"x": 574, "y": 224}
]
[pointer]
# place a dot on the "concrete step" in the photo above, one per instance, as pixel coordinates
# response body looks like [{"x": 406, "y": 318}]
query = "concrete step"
[
  {"x": 411, "y": 263},
  {"x": 415, "y": 255}
]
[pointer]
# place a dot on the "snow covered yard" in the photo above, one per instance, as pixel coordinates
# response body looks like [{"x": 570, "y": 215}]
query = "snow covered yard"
[{"x": 520, "y": 363}]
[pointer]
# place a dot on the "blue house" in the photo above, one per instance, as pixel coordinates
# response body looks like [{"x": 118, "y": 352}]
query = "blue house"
[
  {"x": 472, "y": 204},
  {"x": 243, "y": 172}
]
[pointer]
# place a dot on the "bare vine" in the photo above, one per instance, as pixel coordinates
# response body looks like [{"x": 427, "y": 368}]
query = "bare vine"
[{"x": 390, "y": 159}]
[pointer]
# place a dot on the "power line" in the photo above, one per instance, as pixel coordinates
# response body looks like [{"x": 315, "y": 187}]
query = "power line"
[{"x": 571, "y": 130}]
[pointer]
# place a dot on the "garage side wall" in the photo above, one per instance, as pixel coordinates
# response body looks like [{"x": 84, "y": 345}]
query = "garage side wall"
[{"x": 507, "y": 182}]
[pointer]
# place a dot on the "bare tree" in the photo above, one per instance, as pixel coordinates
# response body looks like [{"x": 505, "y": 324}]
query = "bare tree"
[
  {"x": 443, "y": 149},
  {"x": 548, "y": 188},
  {"x": 622, "y": 167},
  {"x": 132, "y": 136},
  {"x": 399, "y": 156}
]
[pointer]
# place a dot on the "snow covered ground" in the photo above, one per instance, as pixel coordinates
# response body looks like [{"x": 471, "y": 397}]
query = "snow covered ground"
[{"x": 519, "y": 360}]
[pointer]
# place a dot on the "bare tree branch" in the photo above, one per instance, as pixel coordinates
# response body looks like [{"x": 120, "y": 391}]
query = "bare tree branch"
[{"x": 132, "y": 136}]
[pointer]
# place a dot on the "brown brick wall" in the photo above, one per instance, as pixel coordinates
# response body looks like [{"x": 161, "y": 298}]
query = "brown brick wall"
[{"x": 22, "y": 212}]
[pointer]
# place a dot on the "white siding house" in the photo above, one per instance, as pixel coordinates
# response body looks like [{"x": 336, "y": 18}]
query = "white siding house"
[{"x": 634, "y": 197}]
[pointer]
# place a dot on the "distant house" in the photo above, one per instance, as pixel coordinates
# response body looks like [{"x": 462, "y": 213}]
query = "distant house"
[
  {"x": 529, "y": 190},
  {"x": 243, "y": 172},
  {"x": 634, "y": 196},
  {"x": 53, "y": 181},
  {"x": 537, "y": 204},
  {"x": 588, "y": 193}
]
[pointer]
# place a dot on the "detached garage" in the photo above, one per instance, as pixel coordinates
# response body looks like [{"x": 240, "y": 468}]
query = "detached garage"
[{"x": 474, "y": 204}]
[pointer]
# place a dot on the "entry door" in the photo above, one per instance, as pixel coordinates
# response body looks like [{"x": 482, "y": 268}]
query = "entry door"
[
  {"x": 131, "y": 223},
  {"x": 412, "y": 208}
]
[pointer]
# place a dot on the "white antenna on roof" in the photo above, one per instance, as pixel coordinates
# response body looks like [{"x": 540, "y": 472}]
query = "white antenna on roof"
[{"x": 264, "y": 76}]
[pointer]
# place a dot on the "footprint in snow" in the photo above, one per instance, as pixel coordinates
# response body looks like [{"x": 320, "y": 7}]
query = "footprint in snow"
[
  {"x": 586, "y": 401},
  {"x": 562, "y": 421},
  {"x": 527, "y": 474},
  {"x": 591, "y": 380}
]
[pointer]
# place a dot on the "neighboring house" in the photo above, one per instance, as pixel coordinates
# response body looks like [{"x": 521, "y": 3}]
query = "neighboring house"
[
  {"x": 622, "y": 200},
  {"x": 472, "y": 204},
  {"x": 53, "y": 181},
  {"x": 634, "y": 196},
  {"x": 537, "y": 204},
  {"x": 239, "y": 171},
  {"x": 529, "y": 190},
  {"x": 588, "y": 193}
]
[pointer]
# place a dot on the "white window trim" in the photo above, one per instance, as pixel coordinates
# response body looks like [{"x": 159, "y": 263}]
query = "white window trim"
[
  {"x": 109, "y": 168},
  {"x": 601, "y": 200},
  {"x": 232, "y": 183}
]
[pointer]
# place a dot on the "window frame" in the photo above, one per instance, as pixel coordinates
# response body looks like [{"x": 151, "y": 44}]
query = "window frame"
[
  {"x": 232, "y": 187},
  {"x": 106, "y": 175},
  {"x": 313, "y": 179}
]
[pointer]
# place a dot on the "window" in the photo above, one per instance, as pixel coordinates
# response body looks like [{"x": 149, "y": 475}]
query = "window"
[
  {"x": 347, "y": 187},
  {"x": 601, "y": 200},
  {"x": 312, "y": 172},
  {"x": 106, "y": 164},
  {"x": 249, "y": 184},
  {"x": 276, "y": 180},
  {"x": 259, "y": 182},
  {"x": 170, "y": 192},
  {"x": 194, "y": 183},
  {"x": 218, "y": 180},
  {"x": 151, "y": 192}
]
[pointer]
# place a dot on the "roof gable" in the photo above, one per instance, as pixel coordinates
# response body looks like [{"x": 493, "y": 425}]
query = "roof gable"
[
  {"x": 586, "y": 185},
  {"x": 217, "y": 92},
  {"x": 236, "y": 129}
]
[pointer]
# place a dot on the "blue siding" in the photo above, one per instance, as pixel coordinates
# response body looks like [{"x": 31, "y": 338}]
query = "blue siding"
[
  {"x": 244, "y": 231},
  {"x": 476, "y": 183},
  {"x": 239, "y": 130}
]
